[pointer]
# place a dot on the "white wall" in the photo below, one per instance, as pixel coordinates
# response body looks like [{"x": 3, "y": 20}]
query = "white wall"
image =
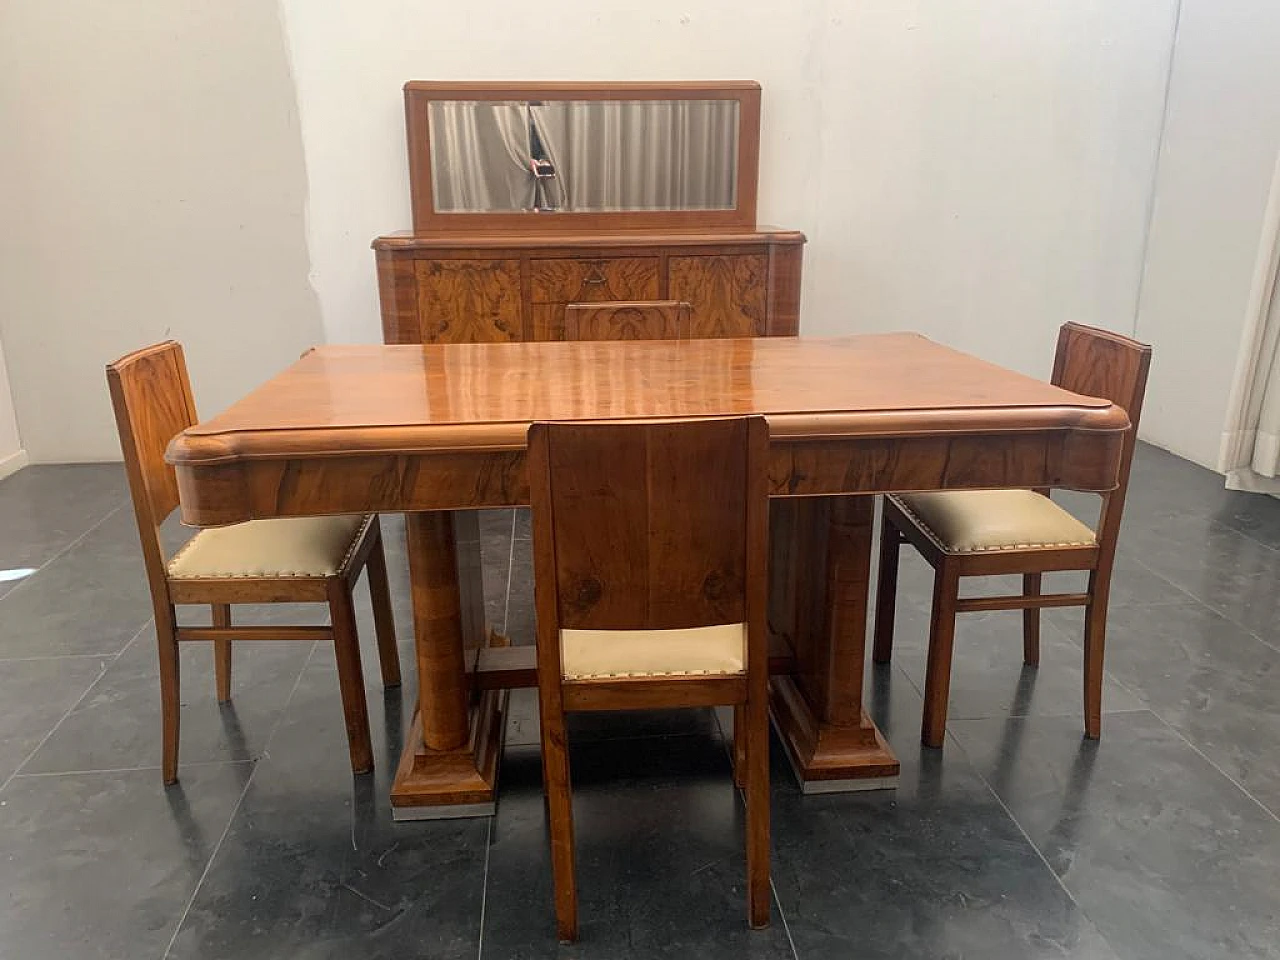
[
  {"x": 12, "y": 456},
  {"x": 151, "y": 185},
  {"x": 978, "y": 170},
  {"x": 1219, "y": 150}
]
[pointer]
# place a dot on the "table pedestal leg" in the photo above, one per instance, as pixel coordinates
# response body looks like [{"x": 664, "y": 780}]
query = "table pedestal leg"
[
  {"x": 821, "y": 564},
  {"x": 449, "y": 767}
]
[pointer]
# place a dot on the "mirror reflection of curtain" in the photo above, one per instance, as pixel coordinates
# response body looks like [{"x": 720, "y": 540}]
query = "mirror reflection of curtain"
[
  {"x": 642, "y": 155},
  {"x": 480, "y": 156},
  {"x": 550, "y": 134}
]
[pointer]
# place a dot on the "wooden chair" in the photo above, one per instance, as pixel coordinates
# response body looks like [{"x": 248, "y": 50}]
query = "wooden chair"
[
  {"x": 966, "y": 533},
  {"x": 628, "y": 320},
  {"x": 309, "y": 559},
  {"x": 650, "y": 543}
]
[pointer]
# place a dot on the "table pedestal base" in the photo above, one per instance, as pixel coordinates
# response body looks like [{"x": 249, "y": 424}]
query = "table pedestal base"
[
  {"x": 828, "y": 758},
  {"x": 443, "y": 784}
]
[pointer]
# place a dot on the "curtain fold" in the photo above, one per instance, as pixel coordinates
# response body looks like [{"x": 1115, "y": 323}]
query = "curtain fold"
[{"x": 1250, "y": 452}]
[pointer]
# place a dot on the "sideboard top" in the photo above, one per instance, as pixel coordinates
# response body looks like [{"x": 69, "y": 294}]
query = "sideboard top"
[{"x": 406, "y": 240}]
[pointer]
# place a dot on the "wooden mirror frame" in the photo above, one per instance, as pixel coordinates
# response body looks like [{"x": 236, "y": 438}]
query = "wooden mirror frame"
[{"x": 418, "y": 95}]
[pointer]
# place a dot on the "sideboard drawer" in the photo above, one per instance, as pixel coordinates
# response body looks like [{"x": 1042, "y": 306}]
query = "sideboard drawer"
[{"x": 565, "y": 280}]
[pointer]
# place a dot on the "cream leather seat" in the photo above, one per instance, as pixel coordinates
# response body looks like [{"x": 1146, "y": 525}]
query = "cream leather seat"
[
  {"x": 692, "y": 652},
  {"x": 288, "y": 547},
  {"x": 974, "y": 521}
]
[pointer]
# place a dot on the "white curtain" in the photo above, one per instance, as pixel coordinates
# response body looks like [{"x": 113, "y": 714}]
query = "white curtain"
[{"x": 1250, "y": 454}]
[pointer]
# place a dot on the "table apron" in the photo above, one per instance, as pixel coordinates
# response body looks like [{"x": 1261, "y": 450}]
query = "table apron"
[{"x": 305, "y": 485}]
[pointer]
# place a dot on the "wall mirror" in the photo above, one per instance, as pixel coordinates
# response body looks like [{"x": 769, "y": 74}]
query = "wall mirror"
[{"x": 568, "y": 155}]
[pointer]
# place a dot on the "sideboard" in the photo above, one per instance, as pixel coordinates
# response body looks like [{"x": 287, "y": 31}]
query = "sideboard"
[{"x": 465, "y": 288}]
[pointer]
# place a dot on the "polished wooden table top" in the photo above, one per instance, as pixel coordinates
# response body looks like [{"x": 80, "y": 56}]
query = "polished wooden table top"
[{"x": 341, "y": 400}]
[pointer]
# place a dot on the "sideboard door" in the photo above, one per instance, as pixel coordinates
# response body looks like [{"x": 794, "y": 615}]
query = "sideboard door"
[
  {"x": 469, "y": 301},
  {"x": 728, "y": 293}
]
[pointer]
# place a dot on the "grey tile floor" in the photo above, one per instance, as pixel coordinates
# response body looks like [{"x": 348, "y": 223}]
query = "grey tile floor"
[{"x": 1018, "y": 839}]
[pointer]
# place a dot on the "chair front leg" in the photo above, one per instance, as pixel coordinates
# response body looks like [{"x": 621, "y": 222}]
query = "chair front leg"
[
  {"x": 221, "y": 614},
  {"x": 346, "y": 646},
  {"x": 942, "y": 631},
  {"x": 1031, "y": 621}
]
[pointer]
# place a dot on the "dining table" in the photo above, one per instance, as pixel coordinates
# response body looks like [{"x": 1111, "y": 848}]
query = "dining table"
[{"x": 438, "y": 432}]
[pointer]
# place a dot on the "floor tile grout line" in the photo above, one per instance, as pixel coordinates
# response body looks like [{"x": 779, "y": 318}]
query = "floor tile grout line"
[
  {"x": 1209, "y": 760},
  {"x": 63, "y": 552},
  {"x": 65, "y": 656},
  {"x": 1242, "y": 533},
  {"x": 782, "y": 915},
  {"x": 1021, "y": 829},
  {"x": 1208, "y": 606},
  {"x": 1107, "y": 674},
  {"x": 1048, "y": 716},
  {"x": 235, "y": 809},
  {"x": 484, "y": 887},
  {"x": 1155, "y": 712},
  {"x": 102, "y": 672},
  {"x": 1040, "y": 853},
  {"x": 45, "y": 774}
]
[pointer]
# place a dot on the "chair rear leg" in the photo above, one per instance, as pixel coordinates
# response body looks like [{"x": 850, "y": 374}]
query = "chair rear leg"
[
  {"x": 757, "y": 790},
  {"x": 886, "y": 588},
  {"x": 1095, "y": 638},
  {"x": 170, "y": 693},
  {"x": 1031, "y": 621},
  {"x": 942, "y": 631},
  {"x": 384, "y": 623},
  {"x": 740, "y": 746},
  {"x": 221, "y": 613},
  {"x": 346, "y": 645},
  {"x": 559, "y": 793}
]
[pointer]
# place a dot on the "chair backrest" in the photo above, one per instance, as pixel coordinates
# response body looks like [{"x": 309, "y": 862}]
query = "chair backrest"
[
  {"x": 653, "y": 525},
  {"x": 628, "y": 320},
  {"x": 1099, "y": 363},
  {"x": 152, "y": 399}
]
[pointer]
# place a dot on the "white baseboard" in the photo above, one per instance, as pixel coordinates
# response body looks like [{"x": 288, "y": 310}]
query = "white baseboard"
[{"x": 12, "y": 463}]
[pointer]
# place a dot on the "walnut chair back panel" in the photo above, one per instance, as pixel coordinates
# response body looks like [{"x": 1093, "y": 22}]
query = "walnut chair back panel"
[
  {"x": 1098, "y": 363},
  {"x": 151, "y": 394}
]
